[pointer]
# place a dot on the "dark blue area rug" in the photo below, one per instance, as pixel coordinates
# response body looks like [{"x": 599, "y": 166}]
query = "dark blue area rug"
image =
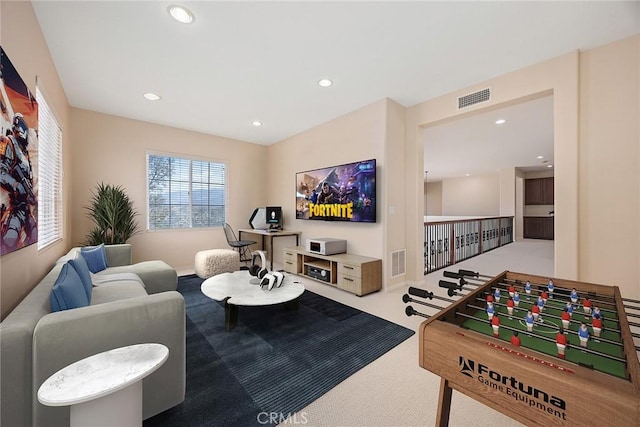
[{"x": 275, "y": 361}]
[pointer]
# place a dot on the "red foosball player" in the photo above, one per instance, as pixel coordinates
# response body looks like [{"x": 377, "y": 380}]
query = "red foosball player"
[
  {"x": 495, "y": 324},
  {"x": 566, "y": 318},
  {"x": 490, "y": 298},
  {"x": 545, "y": 296},
  {"x": 535, "y": 310},
  {"x": 510, "y": 305},
  {"x": 561, "y": 343},
  {"x": 515, "y": 339},
  {"x": 512, "y": 290},
  {"x": 596, "y": 325},
  {"x": 586, "y": 306}
]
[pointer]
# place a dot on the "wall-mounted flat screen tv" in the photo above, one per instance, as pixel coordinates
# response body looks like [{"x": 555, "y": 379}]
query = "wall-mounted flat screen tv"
[{"x": 338, "y": 193}]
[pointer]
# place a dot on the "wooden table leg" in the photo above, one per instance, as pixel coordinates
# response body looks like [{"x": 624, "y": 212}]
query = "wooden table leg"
[{"x": 444, "y": 404}]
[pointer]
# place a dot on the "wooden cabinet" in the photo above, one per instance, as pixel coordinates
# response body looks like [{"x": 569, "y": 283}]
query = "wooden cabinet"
[
  {"x": 353, "y": 273},
  {"x": 538, "y": 227},
  {"x": 538, "y": 191}
]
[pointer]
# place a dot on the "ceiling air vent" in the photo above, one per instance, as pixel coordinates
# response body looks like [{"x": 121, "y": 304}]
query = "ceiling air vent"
[{"x": 474, "y": 98}]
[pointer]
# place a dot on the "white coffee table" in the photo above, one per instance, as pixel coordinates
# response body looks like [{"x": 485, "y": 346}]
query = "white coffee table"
[
  {"x": 104, "y": 389},
  {"x": 240, "y": 288}
]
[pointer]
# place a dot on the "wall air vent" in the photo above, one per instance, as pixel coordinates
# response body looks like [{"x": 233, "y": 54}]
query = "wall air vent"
[
  {"x": 398, "y": 264},
  {"x": 483, "y": 95}
]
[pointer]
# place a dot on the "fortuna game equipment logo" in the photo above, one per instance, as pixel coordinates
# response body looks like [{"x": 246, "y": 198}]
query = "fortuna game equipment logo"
[{"x": 514, "y": 388}]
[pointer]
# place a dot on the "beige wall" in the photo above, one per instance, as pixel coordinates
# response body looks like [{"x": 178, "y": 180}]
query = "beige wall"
[
  {"x": 595, "y": 92},
  {"x": 359, "y": 135},
  {"x": 113, "y": 150},
  {"x": 471, "y": 196},
  {"x": 558, "y": 76},
  {"x": 24, "y": 44},
  {"x": 433, "y": 198},
  {"x": 609, "y": 187}
]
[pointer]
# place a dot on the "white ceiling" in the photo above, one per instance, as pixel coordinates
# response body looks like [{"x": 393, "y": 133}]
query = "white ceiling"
[{"x": 245, "y": 61}]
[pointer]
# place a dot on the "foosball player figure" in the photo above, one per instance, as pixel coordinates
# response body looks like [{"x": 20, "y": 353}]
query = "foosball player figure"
[
  {"x": 535, "y": 310},
  {"x": 540, "y": 303},
  {"x": 596, "y": 312},
  {"x": 596, "y": 325},
  {"x": 490, "y": 310},
  {"x": 529, "y": 320},
  {"x": 527, "y": 289},
  {"x": 512, "y": 290},
  {"x": 550, "y": 288},
  {"x": 566, "y": 318},
  {"x": 574, "y": 296},
  {"x": 489, "y": 298},
  {"x": 545, "y": 296},
  {"x": 583, "y": 333},
  {"x": 496, "y": 295},
  {"x": 495, "y": 324},
  {"x": 516, "y": 298},
  {"x": 569, "y": 308},
  {"x": 510, "y": 305},
  {"x": 515, "y": 339},
  {"x": 586, "y": 306},
  {"x": 561, "y": 343}
]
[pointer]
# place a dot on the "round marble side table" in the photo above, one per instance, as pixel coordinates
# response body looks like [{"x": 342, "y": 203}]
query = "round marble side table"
[{"x": 104, "y": 389}]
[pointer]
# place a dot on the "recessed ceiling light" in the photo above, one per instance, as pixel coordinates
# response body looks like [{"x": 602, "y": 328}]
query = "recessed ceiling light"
[
  {"x": 256, "y": 123},
  {"x": 549, "y": 166},
  {"x": 540, "y": 157},
  {"x": 181, "y": 14},
  {"x": 500, "y": 121},
  {"x": 325, "y": 83},
  {"x": 468, "y": 174},
  {"x": 152, "y": 96}
]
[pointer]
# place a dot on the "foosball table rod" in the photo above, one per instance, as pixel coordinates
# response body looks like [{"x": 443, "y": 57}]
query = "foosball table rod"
[
  {"x": 409, "y": 311},
  {"x": 417, "y": 292},
  {"x": 406, "y": 298}
]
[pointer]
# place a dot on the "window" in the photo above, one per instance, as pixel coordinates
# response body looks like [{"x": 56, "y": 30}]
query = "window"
[
  {"x": 49, "y": 175},
  {"x": 185, "y": 193}
]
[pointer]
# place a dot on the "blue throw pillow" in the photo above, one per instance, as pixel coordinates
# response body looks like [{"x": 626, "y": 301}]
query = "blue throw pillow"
[
  {"x": 68, "y": 291},
  {"x": 80, "y": 266},
  {"x": 95, "y": 256}
]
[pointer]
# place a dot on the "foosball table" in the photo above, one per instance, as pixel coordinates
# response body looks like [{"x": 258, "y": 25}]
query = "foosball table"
[{"x": 519, "y": 369}]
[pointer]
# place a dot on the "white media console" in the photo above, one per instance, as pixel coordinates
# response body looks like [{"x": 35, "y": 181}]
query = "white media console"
[{"x": 353, "y": 273}]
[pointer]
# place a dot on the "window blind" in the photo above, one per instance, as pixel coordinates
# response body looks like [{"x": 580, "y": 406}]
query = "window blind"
[
  {"x": 185, "y": 193},
  {"x": 49, "y": 175}
]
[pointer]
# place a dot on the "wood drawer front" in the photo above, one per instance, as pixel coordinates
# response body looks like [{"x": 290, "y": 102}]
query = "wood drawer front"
[
  {"x": 349, "y": 283},
  {"x": 350, "y": 270},
  {"x": 291, "y": 265},
  {"x": 290, "y": 255}
]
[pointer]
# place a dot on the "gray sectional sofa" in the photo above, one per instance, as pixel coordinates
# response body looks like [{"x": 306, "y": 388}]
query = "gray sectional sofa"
[{"x": 35, "y": 343}]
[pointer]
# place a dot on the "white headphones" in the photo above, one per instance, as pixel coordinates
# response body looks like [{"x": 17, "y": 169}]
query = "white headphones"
[{"x": 258, "y": 270}]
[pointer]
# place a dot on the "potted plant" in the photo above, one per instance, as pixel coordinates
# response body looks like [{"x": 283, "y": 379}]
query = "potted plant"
[{"x": 113, "y": 213}]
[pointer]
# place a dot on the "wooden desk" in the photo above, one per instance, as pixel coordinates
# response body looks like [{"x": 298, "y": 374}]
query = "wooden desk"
[{"x": 270, "y": 235}]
